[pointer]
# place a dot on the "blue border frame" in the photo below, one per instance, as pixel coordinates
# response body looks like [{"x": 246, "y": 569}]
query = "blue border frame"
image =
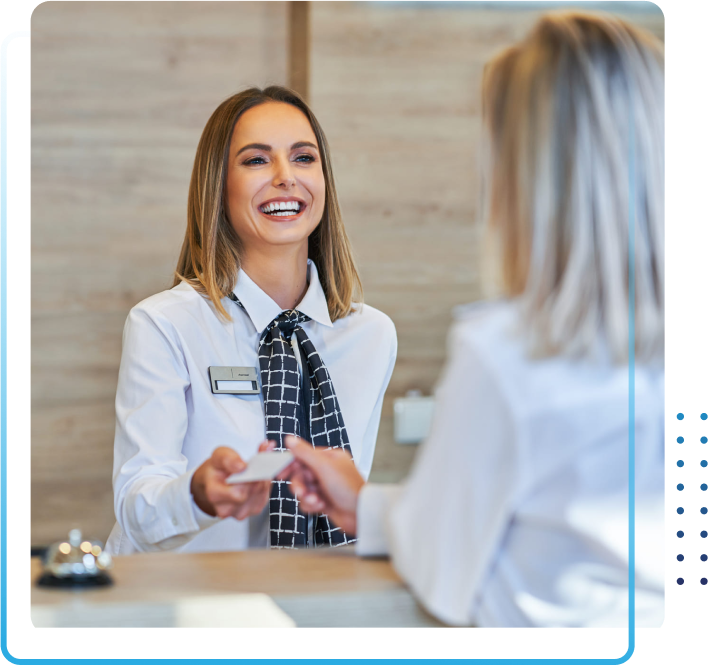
[
  {"x": 3, "y": 343},
  {"x": 127, "y": 661},
  {"x": 631, "y": 222}
]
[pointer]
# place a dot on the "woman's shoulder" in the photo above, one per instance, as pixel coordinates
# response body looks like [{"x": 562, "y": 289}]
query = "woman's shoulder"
[
  {"x": 485, "y": 338},
  {"x": 490, "y": 336},
  {"x": 171, "y": 303},
  {"x": 482, "y": 310},
  {"x": 174, "y": 312},
  {"x": 371, "y": 319},
  {"x": 486, "y": 324}
]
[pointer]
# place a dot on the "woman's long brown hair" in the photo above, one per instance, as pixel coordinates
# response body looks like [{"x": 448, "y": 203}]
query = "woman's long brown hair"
[{"x": 211, "y": 251}]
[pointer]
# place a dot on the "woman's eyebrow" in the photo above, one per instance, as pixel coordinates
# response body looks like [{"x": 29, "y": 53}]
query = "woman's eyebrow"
[
  {"x": 255, "y": 146},
  {"x": 303, "y": 144},
  {"x": 265, "y": 147}
]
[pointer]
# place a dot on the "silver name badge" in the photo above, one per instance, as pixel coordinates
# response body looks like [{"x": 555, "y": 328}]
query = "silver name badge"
[{"x": 234, "y": 380}]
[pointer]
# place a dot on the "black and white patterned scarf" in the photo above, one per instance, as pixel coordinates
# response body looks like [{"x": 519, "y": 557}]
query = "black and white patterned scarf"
[{"x": 312, "y": 414}]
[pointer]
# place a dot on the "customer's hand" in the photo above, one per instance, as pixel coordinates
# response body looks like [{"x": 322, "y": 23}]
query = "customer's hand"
[
  {"x": 215, "y": 497},
  {"x": 325, "y": 481}
]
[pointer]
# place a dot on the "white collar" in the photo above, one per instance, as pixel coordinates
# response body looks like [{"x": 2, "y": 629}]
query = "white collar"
[{"x": 262, "y": 309}]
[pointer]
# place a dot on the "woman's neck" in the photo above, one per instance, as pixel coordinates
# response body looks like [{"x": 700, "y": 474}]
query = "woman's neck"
[{"x": 279, "y": 272}]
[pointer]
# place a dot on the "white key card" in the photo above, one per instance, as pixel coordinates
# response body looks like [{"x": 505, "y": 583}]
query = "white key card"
[{"x": 263, "y": 466}]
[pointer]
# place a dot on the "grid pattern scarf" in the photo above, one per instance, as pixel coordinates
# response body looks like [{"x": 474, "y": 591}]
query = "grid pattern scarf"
[{"x": 292, "y": 408}]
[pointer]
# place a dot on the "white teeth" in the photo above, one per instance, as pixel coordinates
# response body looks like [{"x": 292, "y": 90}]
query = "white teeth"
[{"x": 271, "y": 208}]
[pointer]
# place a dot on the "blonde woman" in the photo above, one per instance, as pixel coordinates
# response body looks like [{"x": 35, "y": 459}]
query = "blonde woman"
[
  {"x": 263, "y": 334},
  {"x": 516, "y": 512}
]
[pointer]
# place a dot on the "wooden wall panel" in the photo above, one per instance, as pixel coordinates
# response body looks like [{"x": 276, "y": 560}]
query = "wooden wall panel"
[
  {"x": 120, "y": 94},
  {"x": 396, "y": 87}
]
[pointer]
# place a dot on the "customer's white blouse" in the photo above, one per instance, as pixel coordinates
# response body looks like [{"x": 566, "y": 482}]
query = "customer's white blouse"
[
  {"x": 515, "y": 513},
  {"x": 168, "y": 421}
]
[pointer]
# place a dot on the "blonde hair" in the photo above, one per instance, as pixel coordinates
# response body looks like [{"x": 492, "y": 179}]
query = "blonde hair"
[
  {"x": 569, "y": 113},
  {"x": 211, "y": 251}
]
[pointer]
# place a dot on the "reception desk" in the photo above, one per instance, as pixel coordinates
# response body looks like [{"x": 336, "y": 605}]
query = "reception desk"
[{"x": 316, "y": 588}]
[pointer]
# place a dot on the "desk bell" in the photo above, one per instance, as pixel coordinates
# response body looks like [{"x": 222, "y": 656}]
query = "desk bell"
[{"x": 76, "y": 563}]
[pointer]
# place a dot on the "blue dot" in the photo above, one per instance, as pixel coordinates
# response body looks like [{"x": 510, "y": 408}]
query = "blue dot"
[
  {"x": 704, "y": 581},
  {"x": 704, "y": 416},
  {"x": 704, "y": 557},
  {"x": 704, "y": 464},
  {"x": 680, "y": 557},
  {"x": 680, "y": 416},
  {"x": 679, "y": 463},
  {"x": 704, "y": 510},
  {"x": 679, "y": 511},
  {"x": 704, "y": 487},
  {"x": 680, "y": 439},
  {"x": 704, "y": 534},
  {"x": 679, "y": 487},
  {"x": 704, "y": 439},
  {"x": 679, "y": 580},
  {"x": 679, "y": 534}
]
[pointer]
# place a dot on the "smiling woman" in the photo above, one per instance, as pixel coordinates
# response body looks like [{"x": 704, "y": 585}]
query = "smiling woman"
[
  {"x": 266, "y": 285},
  {"x": 239, "y": 150}
]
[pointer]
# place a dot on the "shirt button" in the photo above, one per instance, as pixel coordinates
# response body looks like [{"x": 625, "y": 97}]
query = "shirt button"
[{"x": 174, "y": 521}]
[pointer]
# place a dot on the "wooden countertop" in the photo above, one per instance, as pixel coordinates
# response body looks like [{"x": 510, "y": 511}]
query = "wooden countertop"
[{"x": 370, "y": 588}]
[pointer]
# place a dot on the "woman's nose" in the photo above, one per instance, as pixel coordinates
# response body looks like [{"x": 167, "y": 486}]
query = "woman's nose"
[{"x": 283, "y": 177}]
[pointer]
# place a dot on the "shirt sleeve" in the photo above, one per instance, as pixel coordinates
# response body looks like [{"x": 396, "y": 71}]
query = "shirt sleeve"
[
  {"x": 445, "y": 524},
  {"x": 151, "y": 483},
  {"x": 372, "y": 428},
  {"x": 373, "y": 509}
]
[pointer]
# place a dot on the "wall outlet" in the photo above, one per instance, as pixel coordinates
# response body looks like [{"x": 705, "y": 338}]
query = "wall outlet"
[{"x": 412, "y": 416}]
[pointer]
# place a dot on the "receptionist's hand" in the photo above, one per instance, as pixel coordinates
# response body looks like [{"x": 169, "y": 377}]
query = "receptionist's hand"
[{"x": 216, "y": 498}]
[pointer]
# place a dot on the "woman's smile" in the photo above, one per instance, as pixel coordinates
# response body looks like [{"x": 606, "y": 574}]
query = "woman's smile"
[{"x": 283, "y": 208}]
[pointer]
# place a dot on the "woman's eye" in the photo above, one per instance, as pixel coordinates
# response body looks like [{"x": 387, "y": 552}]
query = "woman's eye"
[
  {"x": 305, "y": 158},
  {"x": 255, "y": 160}
]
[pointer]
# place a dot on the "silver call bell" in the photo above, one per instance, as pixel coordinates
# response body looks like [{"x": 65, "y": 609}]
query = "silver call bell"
[{"x": 234, "y": 380}]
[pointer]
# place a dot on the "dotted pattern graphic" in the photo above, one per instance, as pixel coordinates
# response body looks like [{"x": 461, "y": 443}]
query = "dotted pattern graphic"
[{"x": 691, "y": 539}]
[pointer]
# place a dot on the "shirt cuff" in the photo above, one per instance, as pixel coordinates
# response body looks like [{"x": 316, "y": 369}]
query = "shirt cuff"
[{"x": 373, "y": 509}]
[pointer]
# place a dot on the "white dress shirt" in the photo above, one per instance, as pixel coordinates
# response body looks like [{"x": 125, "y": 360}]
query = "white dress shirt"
[
  {"x": 515, "y": 513},
  {"x": 168, "y": 421}
]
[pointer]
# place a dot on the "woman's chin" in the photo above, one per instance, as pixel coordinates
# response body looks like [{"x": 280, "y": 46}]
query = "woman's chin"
[
  {"x": 282, "y": 235},
  {"x": 286, "y": 232}
]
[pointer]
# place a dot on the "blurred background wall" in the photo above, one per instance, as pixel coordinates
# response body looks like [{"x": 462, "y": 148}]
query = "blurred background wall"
[{"x": 120, "y": 94}]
